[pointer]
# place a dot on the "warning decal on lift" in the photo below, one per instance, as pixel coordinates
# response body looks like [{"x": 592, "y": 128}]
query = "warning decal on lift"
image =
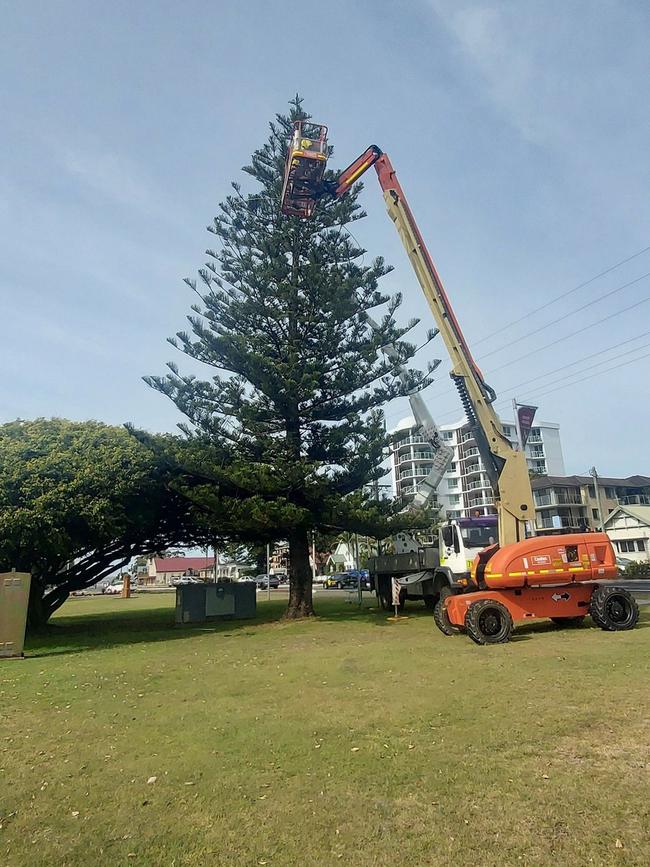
[{"x": 556, "y": 597}]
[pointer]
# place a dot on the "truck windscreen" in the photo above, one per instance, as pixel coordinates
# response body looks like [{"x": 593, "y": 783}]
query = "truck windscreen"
[{"x": 478, "y": 535}]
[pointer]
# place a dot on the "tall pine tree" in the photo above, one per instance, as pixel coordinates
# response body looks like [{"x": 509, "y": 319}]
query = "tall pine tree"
[{"x": 299, "y": 376}]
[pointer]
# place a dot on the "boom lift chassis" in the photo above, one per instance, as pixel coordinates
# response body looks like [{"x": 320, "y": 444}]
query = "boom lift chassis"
[{"x": 521, "y": 578}]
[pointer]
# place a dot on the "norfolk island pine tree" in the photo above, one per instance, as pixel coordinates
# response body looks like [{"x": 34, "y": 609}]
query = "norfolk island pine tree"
[{"x": 299, "y": 377}]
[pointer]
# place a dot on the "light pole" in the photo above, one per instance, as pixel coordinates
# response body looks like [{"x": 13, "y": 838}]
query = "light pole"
[{"x": 594, "y": 474}]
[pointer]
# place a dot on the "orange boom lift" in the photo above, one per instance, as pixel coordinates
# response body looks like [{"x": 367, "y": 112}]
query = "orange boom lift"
[{"x": 523, "y": 577}]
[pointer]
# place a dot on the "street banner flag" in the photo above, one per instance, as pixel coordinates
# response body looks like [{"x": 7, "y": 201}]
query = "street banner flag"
[
  {"x": 525, "y": 416},
  {"x": 396, "y": 590}
]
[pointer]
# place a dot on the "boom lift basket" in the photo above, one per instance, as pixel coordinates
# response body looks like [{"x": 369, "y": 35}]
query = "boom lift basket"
[{"x": 304, "y": 169}]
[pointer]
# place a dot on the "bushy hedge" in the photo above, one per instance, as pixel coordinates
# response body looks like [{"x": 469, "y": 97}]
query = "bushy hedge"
[{"x": 638, "y": 570}]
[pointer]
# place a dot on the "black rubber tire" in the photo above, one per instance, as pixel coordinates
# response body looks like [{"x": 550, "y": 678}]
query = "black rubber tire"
[
  {"x": 569, "y": 622},
  {"x": 386, "y": 601},
  {"x": 488, "y": 622},
  {"x": 441, "y": 619},
  {"x": 339, "y": 586},
  {"x": 613, "y": 609},
  {"x": 429, "y": 602}
]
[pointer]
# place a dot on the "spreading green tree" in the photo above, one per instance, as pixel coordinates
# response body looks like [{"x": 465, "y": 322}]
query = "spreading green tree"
[
  {"x": 297, "y": 378},
  {"x": 77, "y": 501}
]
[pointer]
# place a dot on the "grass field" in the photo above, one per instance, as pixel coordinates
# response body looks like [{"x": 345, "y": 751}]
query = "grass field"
[{"x": 349, "y": 740}]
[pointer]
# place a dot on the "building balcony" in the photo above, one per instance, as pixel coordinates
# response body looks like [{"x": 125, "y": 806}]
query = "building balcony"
[
  {"x": 557, "y": 498},
  {"x": 477, "y": 502},
  {"x": 421, "y": 472},
  {"x": 634, "y": 500},
  {"x": 470, "y": 453},
  {"x": 422, "y": 456},
  {"x": 534, "y": 439},
  {"x": 472, "y": 469},
  {"x": 477, "y": 484}
]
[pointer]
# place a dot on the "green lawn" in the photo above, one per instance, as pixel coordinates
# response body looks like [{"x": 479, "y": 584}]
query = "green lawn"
[{"x": 347, "y": 740}]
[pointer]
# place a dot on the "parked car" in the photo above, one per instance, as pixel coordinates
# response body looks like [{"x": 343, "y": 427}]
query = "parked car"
[
  {"x": 186, "y": 579},
  {"x": 336, "y": 581},
  {"x": 263, "y": 582}
]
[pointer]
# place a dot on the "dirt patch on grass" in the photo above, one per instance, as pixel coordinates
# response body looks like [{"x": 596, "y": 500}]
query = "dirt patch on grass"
[{"x": 623, "y": 747}]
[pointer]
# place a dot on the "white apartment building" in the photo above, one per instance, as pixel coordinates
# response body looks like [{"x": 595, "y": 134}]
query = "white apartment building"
[{"x": 465, "y": 488}]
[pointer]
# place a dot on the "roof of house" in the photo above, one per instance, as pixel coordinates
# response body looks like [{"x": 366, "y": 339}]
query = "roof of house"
[
  {"x": 641, "y": 513},
  {"x": 576, "y": 481},
  {"x": 180, "y": 564}
]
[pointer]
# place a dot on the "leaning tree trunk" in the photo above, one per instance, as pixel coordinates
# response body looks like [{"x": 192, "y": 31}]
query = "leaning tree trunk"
[
  {"x": 300, "y": 577},
  {"x": 37, "y": 611}
]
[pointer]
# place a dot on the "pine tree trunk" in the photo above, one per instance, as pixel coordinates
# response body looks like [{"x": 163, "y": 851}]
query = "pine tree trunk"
[{"x": 300, "y": 580}]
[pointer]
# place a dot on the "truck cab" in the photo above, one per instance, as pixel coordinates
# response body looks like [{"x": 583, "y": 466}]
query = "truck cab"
[
  {"x": 460, "y": 541},
  {"x": 433, "y": 569}
]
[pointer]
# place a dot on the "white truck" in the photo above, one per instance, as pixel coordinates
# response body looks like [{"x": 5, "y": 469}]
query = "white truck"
[{"x": 431, "y": 570}]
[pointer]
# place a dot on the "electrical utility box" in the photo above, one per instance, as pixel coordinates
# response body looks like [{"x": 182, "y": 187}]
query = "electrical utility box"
[
  {"x": 14, "y": 599},
  {"x": 223, "y": 600}
]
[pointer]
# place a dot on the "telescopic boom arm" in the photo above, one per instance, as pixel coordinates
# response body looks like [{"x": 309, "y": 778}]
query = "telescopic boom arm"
[{"x": 506, "y": 467}]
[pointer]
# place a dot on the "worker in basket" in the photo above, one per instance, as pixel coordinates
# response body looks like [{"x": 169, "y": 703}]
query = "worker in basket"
[{"x": 305, "y": 166}]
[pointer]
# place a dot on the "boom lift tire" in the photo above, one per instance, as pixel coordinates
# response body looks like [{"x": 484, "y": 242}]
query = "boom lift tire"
[
  {"x": 488, "y": 622},
  {"x": 569, "y": 622},
  {"x": 613, "y": 609},
  {"x": 441, "y": 618}
]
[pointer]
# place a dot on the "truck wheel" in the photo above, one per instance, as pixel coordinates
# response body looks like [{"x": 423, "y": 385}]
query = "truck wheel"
[
  {"x": 488, "y": 622},
  {"x": 386, "y": 600},
  {"x": 569, "y": 622},
  {"x": 613, "y": 609},
  {"x": 441, "y": 619}
]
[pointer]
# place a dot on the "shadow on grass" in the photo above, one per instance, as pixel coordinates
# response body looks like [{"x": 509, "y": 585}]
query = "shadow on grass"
[
  {"x": 90, "y": 631},
  {"x": 80, "y": 632}
]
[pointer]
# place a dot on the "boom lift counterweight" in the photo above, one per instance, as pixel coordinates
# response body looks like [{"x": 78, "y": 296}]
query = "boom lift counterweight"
[{"x": 521, "y": 577}]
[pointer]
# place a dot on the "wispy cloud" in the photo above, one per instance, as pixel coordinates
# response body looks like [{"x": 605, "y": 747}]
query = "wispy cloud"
[
  {"x": 113, "y": 176},
  {"x": 554, "y": 84}
]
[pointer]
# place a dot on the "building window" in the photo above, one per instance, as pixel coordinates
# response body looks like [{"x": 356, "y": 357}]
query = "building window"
[
  {"x": 629, "y": 546},
  {"x": 452, "y": 483},
  {"x": 610, "y": 493},
  {"x": 452, "y": 467},
  {"x": 447, "y": 435},
  {"x": 454, "y": 499},
  {"x": 594, "y": 512}
]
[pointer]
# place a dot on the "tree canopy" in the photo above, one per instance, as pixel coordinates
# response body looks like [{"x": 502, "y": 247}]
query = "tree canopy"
[
  {"x": 292, "y": 406},
  {"x": 77, "y": 501}
]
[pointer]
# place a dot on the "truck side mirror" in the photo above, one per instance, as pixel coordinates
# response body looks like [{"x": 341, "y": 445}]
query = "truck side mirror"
[
  {"x": 448, "y": 535},
  {"x": 456, "y": 542}
]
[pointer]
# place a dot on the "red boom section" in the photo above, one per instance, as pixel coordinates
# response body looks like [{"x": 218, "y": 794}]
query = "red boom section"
[
  {"x": 354, "y": 171},
  {"x": 389, "y": 183}
]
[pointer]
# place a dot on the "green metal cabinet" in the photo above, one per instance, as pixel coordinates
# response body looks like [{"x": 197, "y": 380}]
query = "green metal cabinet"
[{"x": 201, "y": 603}]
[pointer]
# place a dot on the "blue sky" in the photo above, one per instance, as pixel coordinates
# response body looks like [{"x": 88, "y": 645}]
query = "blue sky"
[{"x": 519, "y": 130}]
